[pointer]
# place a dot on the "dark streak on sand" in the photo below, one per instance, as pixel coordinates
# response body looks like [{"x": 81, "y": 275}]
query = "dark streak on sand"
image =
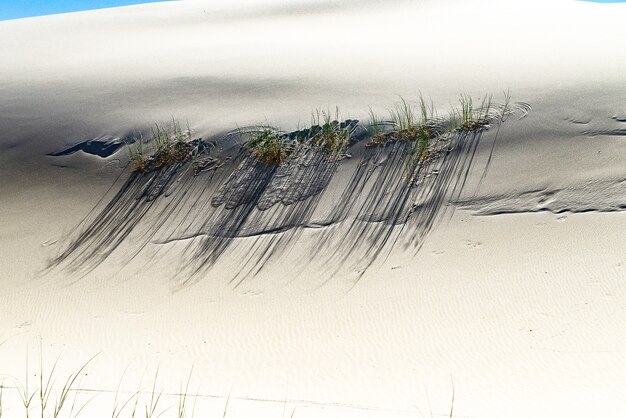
[
  {"x": 377, "y": 203},
  {"x": 101, "y": 148}
]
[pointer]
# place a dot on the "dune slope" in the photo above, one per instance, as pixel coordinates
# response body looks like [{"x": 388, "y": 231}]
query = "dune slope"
[{"x": 328, "y": 287}]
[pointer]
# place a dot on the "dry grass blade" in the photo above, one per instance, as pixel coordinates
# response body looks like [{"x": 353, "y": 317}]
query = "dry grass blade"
[
  {"x": 72, "y": 415},
  {"x": 226, "y": 405},
  {"x": 506, "y": 106},
  {"x": 427, "y": 111},
  {"x": 67, "y": 388},
  {"x": 136, "y": 396},
  {"x": 117, "y": 409},
  {"x": 182, "y": 399},
  {"x": 375, "y": 128},
  {"x": 452, "y": 402},
  {"x": 154, "y": 398},
  {"x": 23, "y": 391},
  {"x": 403, "y": 115},
  {"x": 44, "y": 390}
]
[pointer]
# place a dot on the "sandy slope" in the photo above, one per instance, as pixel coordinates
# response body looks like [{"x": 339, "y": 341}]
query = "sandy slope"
[{"x": 516, "y": 294}]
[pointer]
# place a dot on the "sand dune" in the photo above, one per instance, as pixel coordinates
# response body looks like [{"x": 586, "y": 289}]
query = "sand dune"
[{"x": 328, "y": 287}]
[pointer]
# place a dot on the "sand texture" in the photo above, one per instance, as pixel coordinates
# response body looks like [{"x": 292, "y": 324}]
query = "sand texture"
[{"x": 489, "y": 278}]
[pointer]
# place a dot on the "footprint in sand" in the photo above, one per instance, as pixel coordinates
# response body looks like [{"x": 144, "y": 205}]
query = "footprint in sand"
[{"x": 473, "y": 244}]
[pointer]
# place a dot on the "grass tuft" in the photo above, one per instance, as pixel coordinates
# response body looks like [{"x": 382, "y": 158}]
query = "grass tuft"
[
  {"x": 403, "y": 116},
  {"x": 268, "y": 146},
  {"x": 45, "y": 390},
  {"x": 329, "y": 134},
  {"x": 413, "y": 122},
  {"x": 470, "y": 118},
  {"x": 417, "y": 125},
  {"x": 67, "y": 388},
  {"x": 409, "y": 125},
  {"x": 376, "y": 128},
  {"x": 50, "y": 401},
  {"x": 137, "y": 154},
  {"x": 171, "y": 145}
]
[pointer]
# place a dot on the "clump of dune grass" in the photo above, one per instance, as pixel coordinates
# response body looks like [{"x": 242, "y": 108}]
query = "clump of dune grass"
[
  {"x": 406, "y": 122},
  {"x": 170, "y": 146},
  {"x": 409, "y": 122},
  {"x": 403, "y": 116},
  {"x": 46, "y": 399},
  {"x": 417, "y": 125},
  {"x": 467, "y": 117},
  {"x": 48, "y": 406},
  {"x": 268, "y": 146},
  {"x": 376, "y": 128},
  {"x": 137, "y": 154},
  {"x": 329, "y": 134}
]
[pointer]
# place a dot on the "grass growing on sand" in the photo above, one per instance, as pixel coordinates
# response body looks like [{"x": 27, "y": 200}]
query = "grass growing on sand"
[
  {"x": 170, "y": 146},
  {"x": 182, "y": 399},
  {"x": 49, "y": 400},
  {"x": 268, "y": 146},
  {"x": 331, "y": 136},
  {"x": 420, "y": 125},
  {"x": 45, "y": 390},
  {"x": 417, "y": 123},
  {"x": 376, "y": 128},
  {"x": 470, "y": 118},
  {"x": 137, "y": 154},
  {"x": 117, "y": 409},
  {"x": 408, "y": 120},
  {"x": 140, "y": 404},
  {"x": 326, "y": 134}
]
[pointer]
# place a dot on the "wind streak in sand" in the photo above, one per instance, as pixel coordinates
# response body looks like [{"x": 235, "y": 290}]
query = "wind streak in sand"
[{"x": 379, "y": 200}]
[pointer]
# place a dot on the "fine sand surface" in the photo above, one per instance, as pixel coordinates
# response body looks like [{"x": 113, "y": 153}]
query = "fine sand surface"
[{"x": 327, "y": 289}]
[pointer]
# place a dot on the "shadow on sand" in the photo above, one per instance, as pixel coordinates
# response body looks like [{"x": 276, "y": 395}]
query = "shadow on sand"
[{"x": 357, "y": 209}]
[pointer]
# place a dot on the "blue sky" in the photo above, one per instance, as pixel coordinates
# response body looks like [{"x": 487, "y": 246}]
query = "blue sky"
[{"x": 15, "y": 9}]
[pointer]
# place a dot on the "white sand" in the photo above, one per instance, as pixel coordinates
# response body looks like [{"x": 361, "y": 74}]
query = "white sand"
[{"x": 517, "y": 296}]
